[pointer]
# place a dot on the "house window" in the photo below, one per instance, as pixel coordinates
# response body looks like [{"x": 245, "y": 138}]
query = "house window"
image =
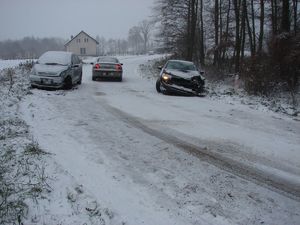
[
  {"x": 82, "y": 51},
  {"x": 78, "y": 40},
  {"x": 86, "y": 40}
]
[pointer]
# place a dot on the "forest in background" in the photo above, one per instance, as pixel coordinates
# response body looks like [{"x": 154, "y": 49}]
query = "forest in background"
[
  {"x": 29, "y": 47},
  {"x": 256, "y": 39}
]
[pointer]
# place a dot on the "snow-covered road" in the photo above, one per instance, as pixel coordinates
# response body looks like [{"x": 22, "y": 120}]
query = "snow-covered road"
[{"x": 155, "y": 159}]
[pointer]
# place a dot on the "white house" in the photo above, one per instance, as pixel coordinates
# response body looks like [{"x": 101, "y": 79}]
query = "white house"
[{"x": 82, "y": 44}]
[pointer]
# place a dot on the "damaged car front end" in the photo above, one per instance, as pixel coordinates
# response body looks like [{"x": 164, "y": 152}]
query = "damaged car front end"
[{"x": 180, "y": 77}]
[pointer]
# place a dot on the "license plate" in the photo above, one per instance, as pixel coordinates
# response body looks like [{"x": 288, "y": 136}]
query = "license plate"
[
  {"x": 46, "y": 81},
  {"x": 108, "y": 73}
]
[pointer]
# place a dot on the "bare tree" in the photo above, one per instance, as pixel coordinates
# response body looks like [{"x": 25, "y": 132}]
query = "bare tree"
[
  {"x": 191, "y": 28},
  {"x": 237, "y": 9},
  {"x": 285, "y": 22},
  {"x": 261, "y": 30},
  {"x": 295, "y": 15},
  {"x": 216, "y": 18},
  {"x": 145, "y": 29},
  {"x": 274, "y": 17},
  {"x": 201, "y": 33},
  {"x": 135, "y": 39}
]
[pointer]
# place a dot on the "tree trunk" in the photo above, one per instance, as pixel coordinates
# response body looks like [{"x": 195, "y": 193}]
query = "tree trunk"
[
  {"x": 253, "y": 28},
  {"x": 192, "y": 22},
  {"x": 227, "y": 29},
  {"x": 250, "y": 31},
  {"x": 202, "y": 54},
  {"x": 295, "y": 9},
  {"x": 216, "y": 15},
  {"x": 244, "y": 18},
  {"x": 274, "y": 7},
  {"x": 261, "y": 30},
  {"x": 237, "y": 4},
  {"x": 285, "y": 22}
]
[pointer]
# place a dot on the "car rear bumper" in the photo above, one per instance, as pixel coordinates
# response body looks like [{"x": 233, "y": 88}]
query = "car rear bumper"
[{"x": 107, "y": 74}]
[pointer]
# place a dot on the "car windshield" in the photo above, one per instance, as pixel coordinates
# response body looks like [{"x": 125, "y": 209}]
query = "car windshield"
[
  {"x": 55, "y": 58},
  {"x": 108, "y": 59},
  {"x": 181, "y": 65}
]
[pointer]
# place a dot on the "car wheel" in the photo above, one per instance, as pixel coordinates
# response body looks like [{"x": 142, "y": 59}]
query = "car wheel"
[
  {"x": 68, "y": 83},
  {"x": 158, "y": 84},
  {"x": 93, "y": 78},
  {"x": 120, "y": 78}
]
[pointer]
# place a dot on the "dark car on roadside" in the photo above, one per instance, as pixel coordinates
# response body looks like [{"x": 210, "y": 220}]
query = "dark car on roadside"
[
  {"x": 180, "y": 77},
  {"x": 56, "y": 69},
  {"x": 107, "y": 68}
]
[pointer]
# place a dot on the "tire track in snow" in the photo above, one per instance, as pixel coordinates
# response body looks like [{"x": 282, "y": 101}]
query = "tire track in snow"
[{"x": 263, "y": 178}]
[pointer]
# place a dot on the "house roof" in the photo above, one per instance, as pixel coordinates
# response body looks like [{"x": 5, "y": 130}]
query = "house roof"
[{"x": 78, "y": 35}]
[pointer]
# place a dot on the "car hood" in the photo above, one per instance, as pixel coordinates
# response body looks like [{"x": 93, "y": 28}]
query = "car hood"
[
  {"x": 182, "y": 74},
  {"x": 48, "y": 70}
]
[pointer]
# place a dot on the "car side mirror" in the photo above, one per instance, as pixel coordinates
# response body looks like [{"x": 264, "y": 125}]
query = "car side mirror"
[
  {"x": 202, "y": 72},
  {"x": 159, "y": 67},
  {"x": 121, "y": 64}
]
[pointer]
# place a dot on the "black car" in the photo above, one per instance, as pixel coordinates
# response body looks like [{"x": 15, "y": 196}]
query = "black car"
[{"x": 180, "y": 77}]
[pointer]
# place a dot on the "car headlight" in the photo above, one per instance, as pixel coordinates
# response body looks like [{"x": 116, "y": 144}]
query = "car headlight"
[
  {"x": 166, "y": 77},
  {"x": 62, "y": 74}
]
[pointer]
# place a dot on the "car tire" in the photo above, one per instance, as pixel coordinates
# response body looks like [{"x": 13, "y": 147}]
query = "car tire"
[
  {"x": 94, "y": 78},
  {"x": 120, "y": 79},
  {"x": 80, "y": 79},
  {"x": 158, "y": 84},
  {"x": 68, "y": 83}
]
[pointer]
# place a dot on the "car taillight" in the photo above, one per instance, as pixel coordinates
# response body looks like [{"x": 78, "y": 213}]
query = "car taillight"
[
  {"x": 118, "y": 67},
  {"x": 97, "y": 66}
]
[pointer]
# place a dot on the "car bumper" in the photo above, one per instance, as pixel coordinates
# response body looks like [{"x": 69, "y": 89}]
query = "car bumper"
[
  {"x": 46, "y": 81},
  {"x": 173, "y": 88},
  {"x": 107, "y": 74}
]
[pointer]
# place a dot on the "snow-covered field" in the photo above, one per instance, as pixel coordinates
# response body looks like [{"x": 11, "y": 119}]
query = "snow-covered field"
[{"x": 123, "y": 154}]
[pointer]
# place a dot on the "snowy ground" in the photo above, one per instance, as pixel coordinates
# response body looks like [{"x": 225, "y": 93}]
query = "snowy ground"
[{"x": 123, "y": 154}]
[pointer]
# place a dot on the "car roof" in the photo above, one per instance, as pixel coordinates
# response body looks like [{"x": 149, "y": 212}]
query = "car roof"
[
  {"x": 58, "y": 53},
  {"x": 107, "y": 59}
]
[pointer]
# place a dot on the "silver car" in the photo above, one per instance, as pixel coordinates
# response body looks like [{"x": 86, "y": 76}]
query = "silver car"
[
  {"x": 56, "y": 69},
  {"x": 107, "y": 68}
]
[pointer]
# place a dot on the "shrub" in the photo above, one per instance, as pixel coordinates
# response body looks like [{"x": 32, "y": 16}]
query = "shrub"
[
  {"x": 279, "y": 68},
  {"x": 258, "y": 76}
]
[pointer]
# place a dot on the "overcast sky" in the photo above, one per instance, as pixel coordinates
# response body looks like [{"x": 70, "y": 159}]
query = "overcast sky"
[{"x": 63, "y": 18}]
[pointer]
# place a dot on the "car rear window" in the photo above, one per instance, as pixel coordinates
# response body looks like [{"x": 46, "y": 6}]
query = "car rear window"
[{"x": 108, "y": 59}]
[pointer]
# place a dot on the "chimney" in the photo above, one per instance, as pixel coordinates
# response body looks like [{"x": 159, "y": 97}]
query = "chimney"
[{"x": 72, "y": 37}]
